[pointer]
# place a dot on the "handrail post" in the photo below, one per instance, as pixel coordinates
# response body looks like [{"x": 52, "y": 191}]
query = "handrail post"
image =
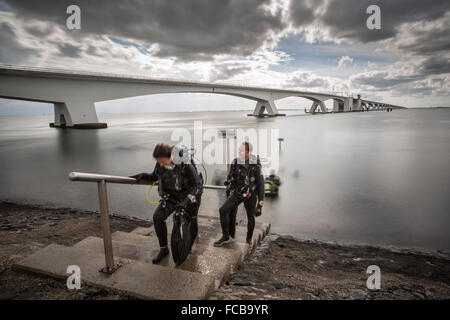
[{"x": 104, "y": 216}]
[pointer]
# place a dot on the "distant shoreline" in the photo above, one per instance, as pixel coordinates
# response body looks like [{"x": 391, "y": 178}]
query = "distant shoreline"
[{"x": 195, "y": 111}]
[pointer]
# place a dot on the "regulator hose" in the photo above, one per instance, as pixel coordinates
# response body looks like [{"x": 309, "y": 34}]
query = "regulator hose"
[{"x": 148, "y": 194}]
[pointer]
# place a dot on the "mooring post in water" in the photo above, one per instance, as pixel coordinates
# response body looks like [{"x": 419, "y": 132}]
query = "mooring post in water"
[
  {"x": 279, "y": 144},
  {"x": 104, "y": 216}
]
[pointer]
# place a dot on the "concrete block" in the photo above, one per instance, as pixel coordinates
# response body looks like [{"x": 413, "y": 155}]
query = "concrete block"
[
  {"x": 204, "y": 258},
  {"x": 134, "y": 278}
]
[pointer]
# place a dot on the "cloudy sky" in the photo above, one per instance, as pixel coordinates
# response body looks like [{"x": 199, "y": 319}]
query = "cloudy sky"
[{"x": 317, "y": 45}]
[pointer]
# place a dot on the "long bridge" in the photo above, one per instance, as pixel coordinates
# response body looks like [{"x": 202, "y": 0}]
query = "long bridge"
[{"x": 74, "y": 94}]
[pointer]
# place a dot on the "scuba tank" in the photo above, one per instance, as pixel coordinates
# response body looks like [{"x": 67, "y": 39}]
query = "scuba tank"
[{"x": 181, "y": 239}]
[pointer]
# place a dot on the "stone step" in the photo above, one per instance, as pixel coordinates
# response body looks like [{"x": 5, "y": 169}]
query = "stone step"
[
  {"x": 240, "y": 222},
  {"x": 216, "y": 262},
  {"x": 205, "y": 236},
  {"x": 234, "y": 253},
  {"x": 210, "y": 228},
  {"x": 135, "y": 278},
  {"x": 205, "y": 222}
]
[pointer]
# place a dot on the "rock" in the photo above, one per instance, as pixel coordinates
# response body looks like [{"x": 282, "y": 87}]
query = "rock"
[
  {"x": 278, "y": 285},
  {"x": 92, "y": 291},
  {"x": 7, "y": 295},
  {"x": 242, "y": 283},
  {"x": 429, "y": 292},
  {"x": 357, "y": 294},
  {"x": 418, "y": 295}
]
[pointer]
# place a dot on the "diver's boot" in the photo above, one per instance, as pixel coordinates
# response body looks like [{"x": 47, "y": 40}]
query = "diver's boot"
[
  {"x": 250, "y": 243},
  {"x": 164, "y": 251},
  {"x": 222, "y": 241}
]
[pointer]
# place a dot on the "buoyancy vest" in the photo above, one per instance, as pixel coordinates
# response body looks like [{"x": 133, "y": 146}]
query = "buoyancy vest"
[
  {"x": 175, "y": 183},
  {"x": 243, "y": 180}
]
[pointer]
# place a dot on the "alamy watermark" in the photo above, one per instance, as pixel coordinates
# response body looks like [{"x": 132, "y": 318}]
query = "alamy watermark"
[
  {"x": 374, "y": 20},
  {"x": 74, "y": 280},
  {"x": 216, "y": 147},
  {"x": 73, "y": 21},
  {"x": 374, "y": 280}
]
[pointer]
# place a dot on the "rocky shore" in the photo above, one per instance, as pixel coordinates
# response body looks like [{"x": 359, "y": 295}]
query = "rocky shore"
[
  {"x": 285, "y": 268},
  {"x": 281, "y": 268}
]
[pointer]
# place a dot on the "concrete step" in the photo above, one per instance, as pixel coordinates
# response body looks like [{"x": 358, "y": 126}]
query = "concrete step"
[
  {"x": 240, "y": 221},
  {"x": 135, "y": 278},
  {"x": 216, "y": 262},
  {"x": 205, "y": 222},
  {"x": 207, "y": 267},
  {"x": 210, "y": 228},
  {"x": 203, "y": 242},
  {"x": 206, "y": 237}
]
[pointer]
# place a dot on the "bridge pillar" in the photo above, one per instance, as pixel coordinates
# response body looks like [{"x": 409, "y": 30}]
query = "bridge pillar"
[
  {"x": 348, "y": 104},
  {"x": 344, "y": 105},
  {"x": 316, "y": 105},
  {"x": 338, "y": 105},
  {"x": 265, "y": 105},
  {"x": 356, "y": 104},
  {"x": 62, "y": 116},
  {"x": 76, "y": 113}
]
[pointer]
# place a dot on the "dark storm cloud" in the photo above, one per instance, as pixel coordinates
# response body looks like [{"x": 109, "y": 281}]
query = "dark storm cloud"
[
  {"x": 12, "y": 51},
  {"x": 68, "y": 50},
  {"x": 306, "y": 81},
  {"x": 227, "y": 71},
  {"x": 193, "y": 29},
  {"x": 346, "y": 19},
  {"x": 433, "y": 40},
  {"x": 381, "y": 79},
  {"x": 302, "y": 13},
  {"x": 93, "y": 51},
  {"x": 414, "y": 91},
  {"x": 435, "y": 65},
  {"x": 39, "y": 31},
  {"x": 426, "y": 38}
]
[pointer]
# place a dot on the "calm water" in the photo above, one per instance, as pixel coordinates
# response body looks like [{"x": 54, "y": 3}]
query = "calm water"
[{"x": 379, "y": 178}]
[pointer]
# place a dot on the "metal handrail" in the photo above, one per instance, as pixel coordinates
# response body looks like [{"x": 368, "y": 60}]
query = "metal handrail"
[
  {"x": 101, "y": 180},
  {"x": 94, "y": 177}
]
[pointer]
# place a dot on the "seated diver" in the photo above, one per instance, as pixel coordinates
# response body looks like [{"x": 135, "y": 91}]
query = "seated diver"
[
  {"x": 245, "y": 185},
  {"x": 179, "y": 186},
  {"x": 272, "y": 184}
]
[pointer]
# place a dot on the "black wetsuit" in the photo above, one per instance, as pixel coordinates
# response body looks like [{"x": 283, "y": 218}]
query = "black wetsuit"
[
  {"x": 179, "y": 185},
  {"x": 246, "y": 186}
]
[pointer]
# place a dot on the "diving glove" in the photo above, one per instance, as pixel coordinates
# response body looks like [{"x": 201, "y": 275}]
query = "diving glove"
[
  {"x": 140, "y": 176},
  {"x": 258, "y": 210}
]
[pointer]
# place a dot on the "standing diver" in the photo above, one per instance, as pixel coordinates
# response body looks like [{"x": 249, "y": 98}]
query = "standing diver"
[
  {"x": 245, "y": 184},
  {"x": 179, "y": 186}
]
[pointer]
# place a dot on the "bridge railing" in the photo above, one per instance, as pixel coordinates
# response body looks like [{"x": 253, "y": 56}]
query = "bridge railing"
[{"x": 101, "y": 181}]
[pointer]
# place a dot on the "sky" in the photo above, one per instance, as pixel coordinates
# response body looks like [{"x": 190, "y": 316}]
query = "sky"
[{"x": 313, "y": 45}]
